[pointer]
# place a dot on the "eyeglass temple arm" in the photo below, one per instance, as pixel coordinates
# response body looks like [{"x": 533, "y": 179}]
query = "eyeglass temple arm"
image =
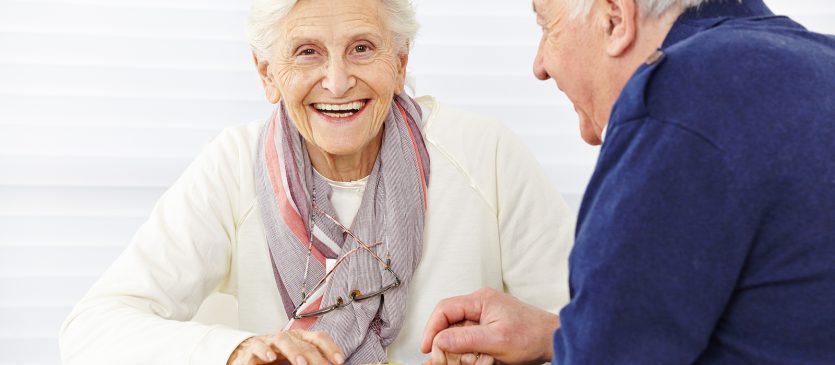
[{"x": 348, "y": 231}]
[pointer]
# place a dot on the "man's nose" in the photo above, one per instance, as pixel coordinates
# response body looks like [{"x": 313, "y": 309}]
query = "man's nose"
[
  {"x": 538, "y": 63},
  {"x": 338, "y": 80}
]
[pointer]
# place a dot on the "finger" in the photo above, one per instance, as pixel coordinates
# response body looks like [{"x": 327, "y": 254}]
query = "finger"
[
  {"x": 312, "y": 353},
  {"x": 466, "y": 323},
  {"x": 261, "y": 350},
  {"x": 289, "y": 349},
  {"x": 468, "y": 359},
  {"x": 298, "y": 351},
  {"x": 453, "y": 359},
  {"x": 485, "y": 359},
  {"x": 251, "y": 356},
  {"x": 461, "y": 340},
  {"x": 325, "y": 344},
  {"x": 437, "y": 357},
  {"x": 447, "y": 312}
]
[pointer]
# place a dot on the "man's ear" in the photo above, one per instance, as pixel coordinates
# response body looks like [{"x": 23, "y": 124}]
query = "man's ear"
[
  {"x": 620, "y": 17},
  {"x": 401, "y": 72},
  {"x": 267, "y": 81}
]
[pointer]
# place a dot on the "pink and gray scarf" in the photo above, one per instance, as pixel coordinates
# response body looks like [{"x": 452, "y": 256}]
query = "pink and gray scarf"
[{"x": 392, "y": 210}]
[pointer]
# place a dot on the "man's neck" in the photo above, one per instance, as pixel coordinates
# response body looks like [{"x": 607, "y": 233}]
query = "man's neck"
[{"x": 650, "y": 36}]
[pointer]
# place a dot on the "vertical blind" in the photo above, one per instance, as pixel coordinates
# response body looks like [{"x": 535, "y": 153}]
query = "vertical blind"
[{"x": 104, "y": 102}]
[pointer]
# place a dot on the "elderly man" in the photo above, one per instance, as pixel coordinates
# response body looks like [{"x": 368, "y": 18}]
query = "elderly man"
[{"x": 707, "y": 232}]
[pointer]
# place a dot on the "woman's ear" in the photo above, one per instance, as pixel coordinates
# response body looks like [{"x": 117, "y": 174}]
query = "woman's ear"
[
  {"x": 267, "y": 81},
  {"x": 401, "y": 72},
  {"x": 620, "y": 17}
]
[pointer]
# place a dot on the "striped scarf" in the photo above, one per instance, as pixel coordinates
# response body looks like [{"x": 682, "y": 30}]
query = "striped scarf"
[{"x": 392, "y": 210}]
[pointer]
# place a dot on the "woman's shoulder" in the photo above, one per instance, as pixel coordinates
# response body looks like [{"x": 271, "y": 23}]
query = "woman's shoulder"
[
  {"x": 229, "y": 156},
  {"x": 441, "y": 119},
  {"x": 234, "y": 146},
  {"x": 463, "y": 136},
  {"x": 459, "y": 132},
  {"x": 477, "y": 147},
  {"x": 242, "y": 137}
]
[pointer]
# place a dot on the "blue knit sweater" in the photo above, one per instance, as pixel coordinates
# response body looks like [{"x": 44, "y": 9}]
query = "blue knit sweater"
[{"x": 707, "y": 232}]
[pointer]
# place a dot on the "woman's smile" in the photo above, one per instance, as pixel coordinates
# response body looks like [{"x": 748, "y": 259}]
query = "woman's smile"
[
  {"x": 337, "y": 69},
  {"x": 340, "y": 112}
]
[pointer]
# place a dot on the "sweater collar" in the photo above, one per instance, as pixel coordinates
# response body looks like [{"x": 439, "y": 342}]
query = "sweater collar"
[
  {"x": 631, "y": 102},
  {"x": 711, "y": 13}
]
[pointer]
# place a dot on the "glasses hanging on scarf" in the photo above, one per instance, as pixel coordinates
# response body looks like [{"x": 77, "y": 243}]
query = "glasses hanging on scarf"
[{"x": 355, "y": 295}]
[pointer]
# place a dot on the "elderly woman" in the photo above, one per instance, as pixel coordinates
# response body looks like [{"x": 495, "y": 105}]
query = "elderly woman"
[{"x": 347, "y": 215}]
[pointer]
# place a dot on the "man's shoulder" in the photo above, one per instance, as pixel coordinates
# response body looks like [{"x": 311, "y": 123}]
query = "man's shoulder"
[
  {"x": 751, "y": 45},
  {"x": 728, "y": 63},
  {"x": 735, "y": 78}
]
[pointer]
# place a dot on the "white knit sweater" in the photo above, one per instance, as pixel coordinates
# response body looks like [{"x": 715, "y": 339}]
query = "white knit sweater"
[{"x": 493, "y": 220}]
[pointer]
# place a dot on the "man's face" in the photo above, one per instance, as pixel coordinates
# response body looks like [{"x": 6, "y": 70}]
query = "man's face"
[{"x": 566, "y": 54}]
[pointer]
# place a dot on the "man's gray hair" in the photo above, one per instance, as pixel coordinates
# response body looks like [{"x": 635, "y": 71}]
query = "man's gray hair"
[
  {"x": 645, "y": 7},
  {"x": 265, "y": 16}
]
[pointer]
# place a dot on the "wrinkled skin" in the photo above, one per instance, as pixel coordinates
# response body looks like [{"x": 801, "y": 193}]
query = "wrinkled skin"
[{"x": 336, "y": 52}]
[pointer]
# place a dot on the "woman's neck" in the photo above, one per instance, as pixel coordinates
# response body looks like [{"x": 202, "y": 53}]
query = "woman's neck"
[{"x": 350, "y": 167}]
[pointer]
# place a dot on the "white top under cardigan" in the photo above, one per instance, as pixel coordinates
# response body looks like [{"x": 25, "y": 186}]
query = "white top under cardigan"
[
  {"x": 494, "y": 220},
  {"x": 346, "y": 198}
]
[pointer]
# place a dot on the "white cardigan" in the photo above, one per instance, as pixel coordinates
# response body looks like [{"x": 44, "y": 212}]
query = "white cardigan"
[{"x": 493, "y": 220}]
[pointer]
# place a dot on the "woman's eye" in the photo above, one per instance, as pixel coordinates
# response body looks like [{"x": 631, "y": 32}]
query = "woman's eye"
[
  {"x": 307, "y": 55},
  {"x": 361, "y": 48}
]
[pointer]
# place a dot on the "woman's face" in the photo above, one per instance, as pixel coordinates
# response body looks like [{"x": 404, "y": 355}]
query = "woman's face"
[{"x": 336, "y": 68}]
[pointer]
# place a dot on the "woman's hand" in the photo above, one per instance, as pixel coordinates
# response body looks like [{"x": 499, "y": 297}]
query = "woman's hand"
[
  {"x": 294, "y": 347},
  {"x": 439, "y": 357}
]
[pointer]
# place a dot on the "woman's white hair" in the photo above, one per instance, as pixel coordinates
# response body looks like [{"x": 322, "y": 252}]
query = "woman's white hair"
[
  {"x": 262, "y": 24},
  {"x": 646, "y": 7}
]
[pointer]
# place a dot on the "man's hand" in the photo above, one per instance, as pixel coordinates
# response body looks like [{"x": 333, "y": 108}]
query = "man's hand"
[
  {"x": 294, "y": 347},
  {"x": 509, "y": 330},
  {"x": 438, "y": 357}
]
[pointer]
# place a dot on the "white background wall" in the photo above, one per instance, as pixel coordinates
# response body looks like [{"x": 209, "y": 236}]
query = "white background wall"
[{"x": 104, "y": 102}]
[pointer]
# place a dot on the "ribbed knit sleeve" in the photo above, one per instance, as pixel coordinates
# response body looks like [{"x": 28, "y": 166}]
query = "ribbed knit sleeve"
[{"x": 139, "y": 311}]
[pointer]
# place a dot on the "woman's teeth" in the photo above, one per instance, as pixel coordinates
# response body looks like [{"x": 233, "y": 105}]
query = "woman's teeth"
[{"x": 339, "y": 110}]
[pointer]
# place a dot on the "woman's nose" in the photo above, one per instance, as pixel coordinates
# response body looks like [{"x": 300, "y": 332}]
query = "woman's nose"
[{"x": 338, "y": 80}]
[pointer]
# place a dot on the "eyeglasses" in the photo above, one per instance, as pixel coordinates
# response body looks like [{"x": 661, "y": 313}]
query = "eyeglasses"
[{"x": 355, "y": 295}]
